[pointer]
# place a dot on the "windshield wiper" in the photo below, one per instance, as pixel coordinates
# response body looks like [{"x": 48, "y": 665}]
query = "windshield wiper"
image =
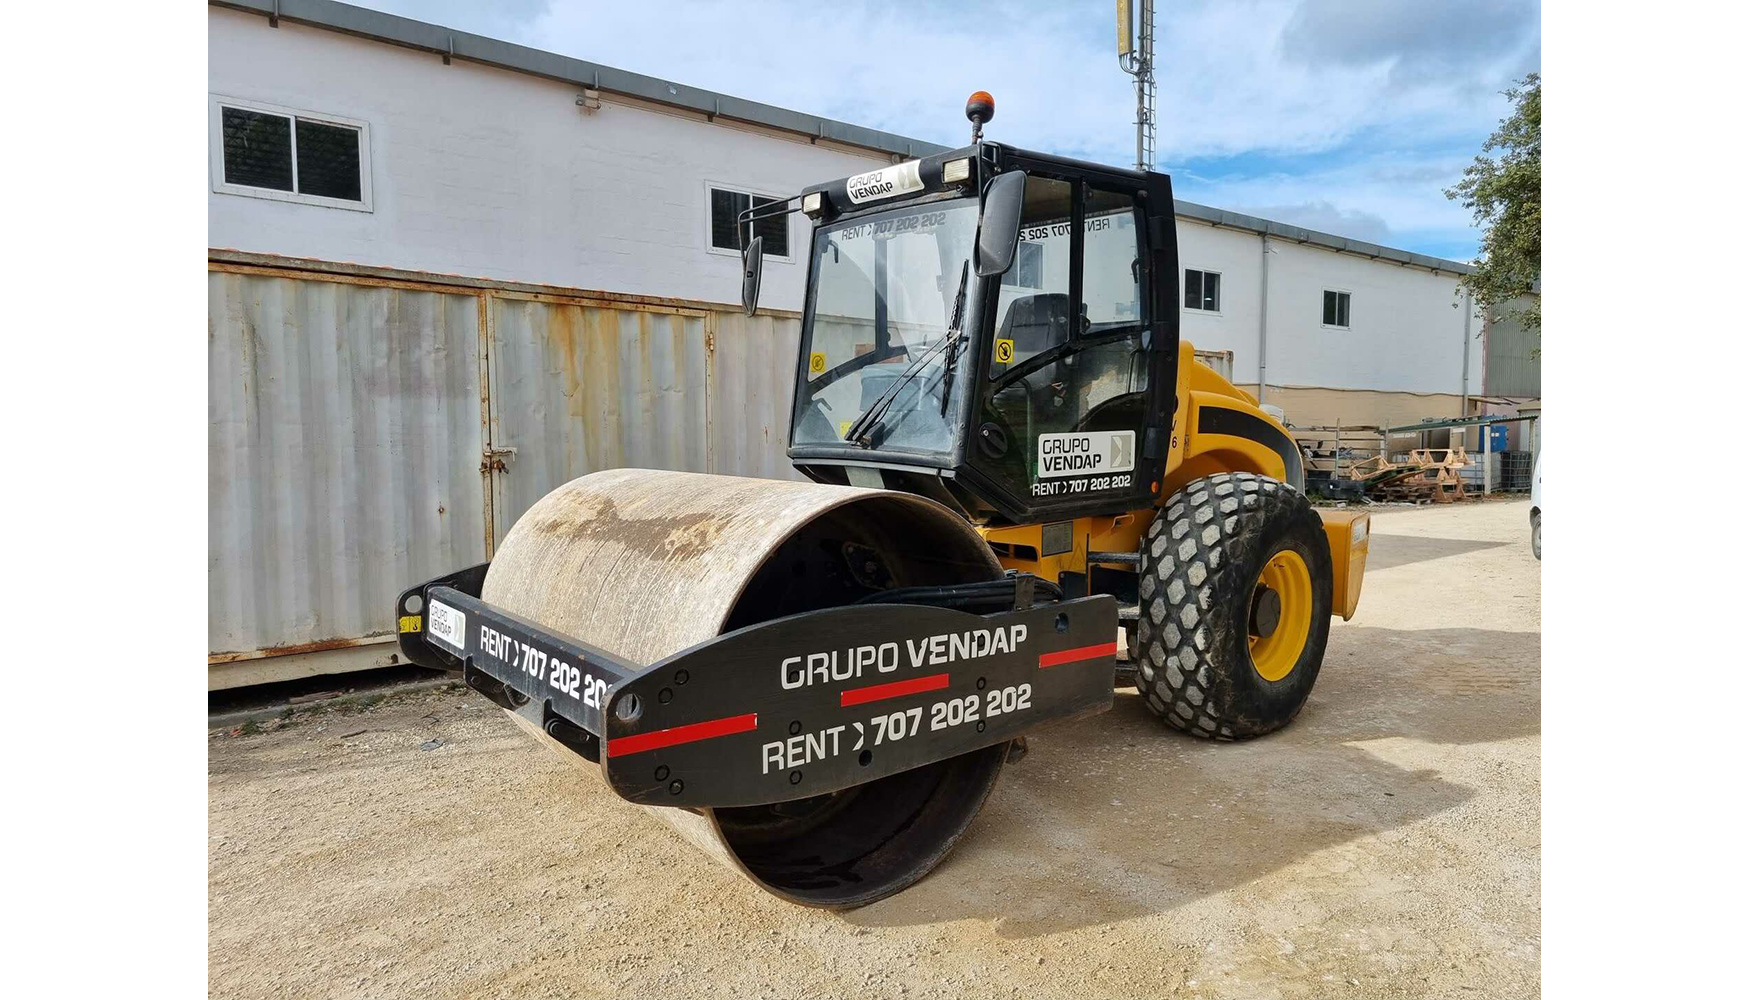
[
  {"x": 861, "y": 430},
  {"x": 954, "y": 324}
]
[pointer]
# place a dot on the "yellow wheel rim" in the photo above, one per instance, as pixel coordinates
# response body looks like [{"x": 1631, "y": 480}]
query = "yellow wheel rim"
[{"x": 1274, "y": 655}]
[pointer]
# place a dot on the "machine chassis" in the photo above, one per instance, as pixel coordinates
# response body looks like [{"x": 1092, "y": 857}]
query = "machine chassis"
[{"x": 692, "y": 730}]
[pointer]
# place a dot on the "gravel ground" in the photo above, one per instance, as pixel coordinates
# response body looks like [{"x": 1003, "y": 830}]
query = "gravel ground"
[{"x": 1384, "y": 845}]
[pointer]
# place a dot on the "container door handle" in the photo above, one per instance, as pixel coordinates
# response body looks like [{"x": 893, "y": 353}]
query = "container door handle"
[{"x": 492, "y": 457}]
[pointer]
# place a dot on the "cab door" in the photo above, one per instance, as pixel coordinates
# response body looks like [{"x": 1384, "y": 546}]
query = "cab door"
[{"x": 1075, "y": 369}]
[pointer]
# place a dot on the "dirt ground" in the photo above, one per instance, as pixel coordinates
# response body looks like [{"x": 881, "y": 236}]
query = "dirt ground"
[{"x": 1384, "y": 845}]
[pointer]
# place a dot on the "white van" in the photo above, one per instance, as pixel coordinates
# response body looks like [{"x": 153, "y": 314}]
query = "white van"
[{"x": 1537, "y": 508}]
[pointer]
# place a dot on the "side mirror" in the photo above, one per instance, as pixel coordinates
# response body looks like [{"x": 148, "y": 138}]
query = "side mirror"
[
  {"x": 1000, "y": 227},
  {"x": 752, "y": 260}
]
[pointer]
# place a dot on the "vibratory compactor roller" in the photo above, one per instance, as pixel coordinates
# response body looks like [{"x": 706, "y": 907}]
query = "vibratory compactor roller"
[{"x": 1022, "y": 487}]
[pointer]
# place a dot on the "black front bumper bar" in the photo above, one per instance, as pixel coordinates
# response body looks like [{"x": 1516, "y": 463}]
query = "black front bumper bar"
[{"x": 799, "y": 706}]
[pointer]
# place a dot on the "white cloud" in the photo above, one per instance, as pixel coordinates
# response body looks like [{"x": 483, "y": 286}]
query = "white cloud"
[
  {"x": 1279, "y": 77},
  {"x": 1420, "y": 42},
  {"x": 1389, "y": 198},
  {"x": 1235, "y": 75},
  {"x": 1327, "y": 218}
]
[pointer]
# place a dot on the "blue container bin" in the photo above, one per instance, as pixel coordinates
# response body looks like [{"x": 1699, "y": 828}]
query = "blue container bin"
[{"x": 1497, "y": 438}]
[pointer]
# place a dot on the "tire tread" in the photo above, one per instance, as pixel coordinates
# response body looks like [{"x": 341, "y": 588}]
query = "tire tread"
[{"x": 1183, "y": 553}]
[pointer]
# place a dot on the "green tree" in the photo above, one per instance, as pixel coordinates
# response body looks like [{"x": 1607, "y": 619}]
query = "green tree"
[{"x": 1503, "y": 188}]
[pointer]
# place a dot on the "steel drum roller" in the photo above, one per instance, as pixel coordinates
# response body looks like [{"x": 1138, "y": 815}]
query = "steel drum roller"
[{"x": 644, "y": 564}]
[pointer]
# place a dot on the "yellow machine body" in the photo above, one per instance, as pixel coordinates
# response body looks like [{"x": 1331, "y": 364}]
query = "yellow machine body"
[{"x": 1192, "y": 455}]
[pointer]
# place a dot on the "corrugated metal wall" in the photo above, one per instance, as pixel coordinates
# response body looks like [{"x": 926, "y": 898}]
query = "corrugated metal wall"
[
  {"x": 752, "y": 384},
  {"x": 578, "y": 388},
  {"x": 1513, "y": 365},
  {"x": 343, "y": 456},
  {"x": 355, "y": 446}
]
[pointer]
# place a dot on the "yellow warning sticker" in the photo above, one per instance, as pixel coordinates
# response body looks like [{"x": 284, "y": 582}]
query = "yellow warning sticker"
[
  {"x": 1005, "y": 351},
  {"x": 816, "y": 362},
  {"x": 844, "y": 428},
  {"x": 409, "y": 623}
]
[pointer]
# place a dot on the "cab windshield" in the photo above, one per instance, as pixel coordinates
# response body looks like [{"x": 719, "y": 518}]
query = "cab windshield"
[{"x": 884, "y": 294}]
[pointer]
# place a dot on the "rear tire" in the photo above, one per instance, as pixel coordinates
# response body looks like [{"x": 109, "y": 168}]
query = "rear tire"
[
  {"x": 1537, "y": 534},
  {"x": 1204, "y": 561}
]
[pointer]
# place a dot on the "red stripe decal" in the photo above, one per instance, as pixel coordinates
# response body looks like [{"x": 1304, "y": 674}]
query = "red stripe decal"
[
  {"x": 1078, "y": 654},
  {"x": 877, "y": 692},
  {"x": 620, "y": 746}
]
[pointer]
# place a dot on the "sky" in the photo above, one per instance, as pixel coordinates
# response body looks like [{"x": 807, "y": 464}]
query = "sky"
[{"x": 1345, "y": 116}]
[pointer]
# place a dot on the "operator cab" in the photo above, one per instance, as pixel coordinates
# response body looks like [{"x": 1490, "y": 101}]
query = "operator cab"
[{"x": 993, "y": 328}]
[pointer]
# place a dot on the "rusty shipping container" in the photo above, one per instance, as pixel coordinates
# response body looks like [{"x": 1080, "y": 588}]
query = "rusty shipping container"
[{"x": 368, "y": 427}]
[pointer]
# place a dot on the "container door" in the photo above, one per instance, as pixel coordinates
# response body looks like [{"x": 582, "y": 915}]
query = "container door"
[
  {"x": 577, "y": 388},
  {"x": 343, "y": 447}
]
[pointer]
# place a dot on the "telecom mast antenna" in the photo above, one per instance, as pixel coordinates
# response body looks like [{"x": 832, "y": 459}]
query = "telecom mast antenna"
[{"x": 1136, "y": 56}]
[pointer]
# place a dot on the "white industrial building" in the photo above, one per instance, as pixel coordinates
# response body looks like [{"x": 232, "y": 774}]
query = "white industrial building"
[{"x": 448, "y": 273}]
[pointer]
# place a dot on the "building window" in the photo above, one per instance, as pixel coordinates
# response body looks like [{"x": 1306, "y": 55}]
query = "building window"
[
  {"x": 1337, "y": 309},
  {"x": 727, "y": 205},
  {"x": 1203, "y": 290},
  {"x": 284, "y": 154},
  {"x": 1029, "y": 268}
]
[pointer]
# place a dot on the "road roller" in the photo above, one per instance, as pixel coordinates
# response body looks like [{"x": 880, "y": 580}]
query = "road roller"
[{"x": 1020, "y": 492}]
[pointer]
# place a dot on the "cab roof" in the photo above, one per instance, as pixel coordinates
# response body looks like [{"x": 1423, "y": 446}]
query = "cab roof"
[{"x": 911, "y": 180}]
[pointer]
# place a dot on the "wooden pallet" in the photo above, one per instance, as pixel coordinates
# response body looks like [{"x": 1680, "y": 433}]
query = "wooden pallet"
[{"x": 1427, "y": 475}]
